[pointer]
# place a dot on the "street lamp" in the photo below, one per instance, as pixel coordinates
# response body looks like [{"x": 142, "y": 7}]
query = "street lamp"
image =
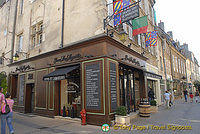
[
  {"x": 122, "y": 36},
  {"x": 16, "y": 57}
]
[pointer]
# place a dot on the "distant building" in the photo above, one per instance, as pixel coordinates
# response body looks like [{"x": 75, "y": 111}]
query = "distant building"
[{"x": 192, "y": 67}]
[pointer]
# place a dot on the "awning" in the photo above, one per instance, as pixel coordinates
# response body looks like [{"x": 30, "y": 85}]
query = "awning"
[{"x": 59, "y": 74}]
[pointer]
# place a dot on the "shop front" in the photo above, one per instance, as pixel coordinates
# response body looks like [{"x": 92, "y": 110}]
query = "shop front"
[
  {"x": 153, "y": 82},
  {"x": 97, "y": 75}
]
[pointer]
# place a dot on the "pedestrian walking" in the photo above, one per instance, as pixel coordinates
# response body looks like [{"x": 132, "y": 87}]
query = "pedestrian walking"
[
  {"x": 191, "y": 97},
  {"x": 2, "y": 97},
  {"x": 171, "y": 92},
  {"x": 151, "y": 94},
  {"x": 185, "y": 93},
  {"x": 167, "y": 98},
  {"x": 196, "y": 96},
  {"x": 7, "y": 114}
]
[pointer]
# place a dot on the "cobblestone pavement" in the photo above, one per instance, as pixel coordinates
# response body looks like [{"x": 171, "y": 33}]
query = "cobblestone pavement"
[
  {"x": 33, "y": 124},
  {"x": 181, "y": 114}
]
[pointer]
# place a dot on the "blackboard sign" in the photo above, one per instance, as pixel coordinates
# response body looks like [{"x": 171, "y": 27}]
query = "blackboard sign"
[
  {"x": 21, "y": 88},
  {"x": 130, "y": 13},
  {"x": 93, "y": 86},
  {"x": 113, "y": 86}
]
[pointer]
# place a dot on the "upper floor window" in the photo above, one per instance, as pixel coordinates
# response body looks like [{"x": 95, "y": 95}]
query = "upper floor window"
[
  {"x": 21, "y": 6},
  {"x": 20, "y": 42},
  {"x": 37, "y": 34},
  {"x": 161, "y": 65},
  {"x": 1, "y": 60},
  {"x": 179, "y": 65},
  {"x": 174, "y": 64}
]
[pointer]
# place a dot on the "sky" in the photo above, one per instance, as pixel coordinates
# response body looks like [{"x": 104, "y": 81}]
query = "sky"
[{"x": 182, "y": 17}]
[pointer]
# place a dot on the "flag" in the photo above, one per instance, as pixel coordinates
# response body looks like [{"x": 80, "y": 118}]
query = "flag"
[
  {"x": 151, "y": 38},
  {"x": 117, "y": 19},
  {"x": 140, "y": 25},
  {"x": 126, "y": 3},
  {"x": 117, "y": 6}
]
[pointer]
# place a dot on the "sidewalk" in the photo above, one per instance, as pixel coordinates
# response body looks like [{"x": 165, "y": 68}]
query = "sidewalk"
[
  {"x": 182, "y": 113},
  {"x": 33, "y": 124}
]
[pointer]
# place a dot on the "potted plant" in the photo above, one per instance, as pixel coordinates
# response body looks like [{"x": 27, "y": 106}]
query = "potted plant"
[
  {"x": 121, "y": 116},
  {"x": 154, "y": 107}
]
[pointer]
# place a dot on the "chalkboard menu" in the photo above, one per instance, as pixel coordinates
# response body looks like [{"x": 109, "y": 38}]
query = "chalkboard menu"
[
  {"x": 113, "y": 86},
  {"x": 21, "y": 88},
  {"x": 93, "y": 86}
]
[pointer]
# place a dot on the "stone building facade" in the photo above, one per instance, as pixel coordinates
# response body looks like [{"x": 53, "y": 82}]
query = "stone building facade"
[
  {"x": 192, "y": 67},
  {"x": 61, "y": 45}
]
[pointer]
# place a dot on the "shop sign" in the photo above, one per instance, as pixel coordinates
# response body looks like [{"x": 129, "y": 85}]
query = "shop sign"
[
  {"x": 153, "y": 75},
  {"x": 71, "y": 87},
  {"x": 24, "y": 68},
  {"x": 131, "y": 59},
  {"x": 30, "y": 76},
  {"x": 55, "y": 78},
  {"x": 70, "y": 57},
  {"x": 130, "y": 13}
]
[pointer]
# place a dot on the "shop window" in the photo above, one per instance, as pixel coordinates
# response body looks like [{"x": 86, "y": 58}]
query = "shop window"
[{"x": 71, "y": 94}]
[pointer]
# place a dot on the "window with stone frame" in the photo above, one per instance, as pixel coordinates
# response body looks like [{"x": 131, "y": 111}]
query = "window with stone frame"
[
  {"x": 37, "y": 34},
  {"x": 21, "y": 4},
  {"x": 179, "y": 65},
  {"x": 161, "y": 65},
  {"x": 20, "y": 42}
]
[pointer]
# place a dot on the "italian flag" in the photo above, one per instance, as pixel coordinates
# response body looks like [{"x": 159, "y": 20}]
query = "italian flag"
[{"x": 140, "y": 25}]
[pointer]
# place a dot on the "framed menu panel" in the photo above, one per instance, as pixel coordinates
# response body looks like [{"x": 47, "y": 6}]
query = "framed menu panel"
[
  {"x": 21, "y": 89},
  {"x": 93, "y": 86}
]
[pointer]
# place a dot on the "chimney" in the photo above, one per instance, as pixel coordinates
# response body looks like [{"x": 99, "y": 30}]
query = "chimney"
[{"x": 161, "y": 25}]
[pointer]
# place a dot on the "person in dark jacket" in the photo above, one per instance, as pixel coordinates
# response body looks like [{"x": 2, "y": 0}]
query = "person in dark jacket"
[
  {"x": 151, "y": 94},
  {"x": 185, "y": 92}
]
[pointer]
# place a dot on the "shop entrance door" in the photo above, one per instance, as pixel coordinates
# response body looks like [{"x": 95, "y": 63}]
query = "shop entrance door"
[
  {"x": 70, "y": 94},
  {"x": 130, "y": 83},
  {"x": 29, "y": 102},
  {"x": 14, "y": 80}
]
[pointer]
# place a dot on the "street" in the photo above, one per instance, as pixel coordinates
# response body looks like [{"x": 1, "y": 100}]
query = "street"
[{"x": 181, "y": 114}]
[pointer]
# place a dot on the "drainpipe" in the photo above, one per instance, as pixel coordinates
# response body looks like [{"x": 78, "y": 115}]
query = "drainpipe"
[
  {"x": 13, "y": 33},
  {"x": 172, "y": 67},
  {"x": 164, "y": 66},
  {"x": 63, "y": 19}
]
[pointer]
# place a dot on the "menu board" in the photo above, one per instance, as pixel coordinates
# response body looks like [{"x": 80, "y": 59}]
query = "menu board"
[
  {"x": 93, "y": 86},
  {"x": 21, "y": 89},
  {"x": 113, "y": 86}
]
